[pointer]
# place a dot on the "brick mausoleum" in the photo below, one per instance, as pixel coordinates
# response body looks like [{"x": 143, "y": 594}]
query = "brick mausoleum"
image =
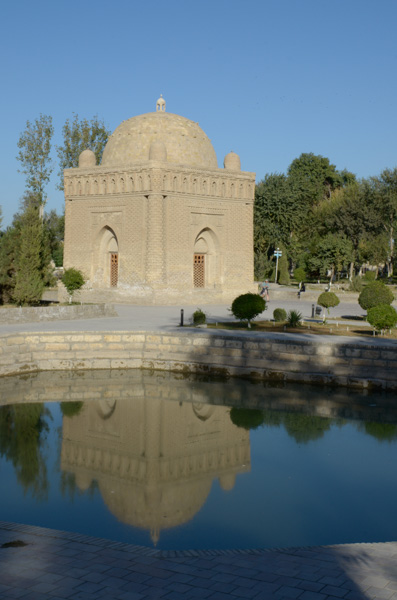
[{"x": 158, "y": 221}]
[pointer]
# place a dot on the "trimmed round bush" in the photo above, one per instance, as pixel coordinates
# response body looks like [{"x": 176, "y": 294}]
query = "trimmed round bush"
[
  {"x": 279, "y": 314},
  {"x": 248, "y": 306},
  {"x": 328, "y": 300},
  {"x": 73, "y": 280},
  {"x": 375, "y": 293},
  {"x": 300, "y": 274},
  {"x": 199, "y": 317},
  {"x": 382, "y": 317},
  {"x": 370, "y": 276}
]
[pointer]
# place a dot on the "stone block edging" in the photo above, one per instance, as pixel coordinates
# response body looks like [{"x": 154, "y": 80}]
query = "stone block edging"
[
  {"x": 55, "y": 312},
  {"x": 273, "y": 358}
]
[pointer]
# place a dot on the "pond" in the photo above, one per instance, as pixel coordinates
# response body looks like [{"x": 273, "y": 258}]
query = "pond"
[{"x": 158, "y": 459}]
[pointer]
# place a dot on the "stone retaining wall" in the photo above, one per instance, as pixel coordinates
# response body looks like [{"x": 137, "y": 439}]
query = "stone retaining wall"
[
  {"x": 274, "y": 357},
  {"x": 57, "y": 312}
]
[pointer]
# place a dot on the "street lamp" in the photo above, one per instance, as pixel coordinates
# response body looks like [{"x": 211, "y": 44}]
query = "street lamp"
[{"x": 277, "y": 254}]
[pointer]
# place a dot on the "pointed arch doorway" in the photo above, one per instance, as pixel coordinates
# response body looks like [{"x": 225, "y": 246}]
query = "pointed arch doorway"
[
  {"x": 108, "y": 258},
  {"x": 206, "y": 259}
]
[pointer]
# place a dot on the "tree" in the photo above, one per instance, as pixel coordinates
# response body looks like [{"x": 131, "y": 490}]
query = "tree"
[
  {"x": 248, "y": 306},
  {"x": 78, "y": 135},
  {"x": 375, "y": 293},
  {"x": 315, "y": 176},
  {"x": 328, "y": 300},
  {"x": 55, "y": 227},
  {"x": 34, "y": 155},
  {"x": 32, "y": 271},
  {"x": 382, "y": 316},
  {"x": 330, "y": 254},
  {"x": 72, "y": 280},
  {"x": 385, "y": 188}
]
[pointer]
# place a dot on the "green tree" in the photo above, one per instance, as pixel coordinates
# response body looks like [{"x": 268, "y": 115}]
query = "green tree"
[
  {"x": 382, "y": 316},
  {"x": 73, "y": 280},
  {"x": 385, "y": 188},
  {"x": 34, "y": 155},
  {"x": 328, "y": 300},
  {"x": 330, "y": 254},
  {"x": 32, "y": 270},
  {"x": 315, "y": 176},
  {"x": 78, "y": 135},
  {"x": 375, "y": 293},
  {"x": 248, "y": 306},
  {"x": 55, "y": 228}
]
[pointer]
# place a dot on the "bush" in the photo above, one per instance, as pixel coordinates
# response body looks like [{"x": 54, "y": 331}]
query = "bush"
[
  {"x": 279, "y": 314},
  {"x": 73, "y": 280},
  {"x": 300, "y": 274},
  {"x": 70, "y": 409},
  {"x": 294, "y": 318},
  {"x": 373, "y": 294},
  {"x": 328, "y": 300},
  {"x": 382, "y": 317},
  {"x": 248, "y": 306},
  {"x": 356, "y": 284},
  {"x": 370, "y": 276},
  {"x": 199, "y": 317}
]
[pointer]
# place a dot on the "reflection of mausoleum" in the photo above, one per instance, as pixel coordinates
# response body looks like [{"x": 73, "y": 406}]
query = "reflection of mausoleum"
[
  {"x": 154, "y": 460},
  {"x": 158, "y": 219}
]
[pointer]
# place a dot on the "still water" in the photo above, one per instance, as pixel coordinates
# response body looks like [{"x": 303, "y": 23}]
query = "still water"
[{"x": 179, "y": 463}]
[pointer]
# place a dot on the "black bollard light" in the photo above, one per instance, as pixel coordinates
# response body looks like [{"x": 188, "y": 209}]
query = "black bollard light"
[
  {"x": 181, "y": 317},
  {"x": 313, "y": 309}
]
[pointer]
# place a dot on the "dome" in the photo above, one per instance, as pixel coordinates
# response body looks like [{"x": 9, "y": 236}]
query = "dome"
[
  {"x": 157, "y": 151},
  {"x": 232, "y": 162},
  {"x": 185, "y": 142},
  {"x": 87, "y": 159}
]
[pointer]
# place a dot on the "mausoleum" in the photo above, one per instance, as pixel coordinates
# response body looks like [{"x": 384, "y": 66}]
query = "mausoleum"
[{"x": 158, "y": 221}]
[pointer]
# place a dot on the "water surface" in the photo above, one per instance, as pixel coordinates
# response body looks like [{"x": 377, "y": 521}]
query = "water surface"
[{"x": 159, "y": 459}]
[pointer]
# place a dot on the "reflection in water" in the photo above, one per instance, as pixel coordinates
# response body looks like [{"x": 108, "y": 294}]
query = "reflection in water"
[
  {"x": 153, "y": 444},
  {"x": 154, "y": 462}
]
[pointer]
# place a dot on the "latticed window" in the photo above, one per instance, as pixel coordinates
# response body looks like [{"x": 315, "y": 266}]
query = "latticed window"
[
  {"x": 199, "y": 270},
  {"x": 114, "y": 269}
]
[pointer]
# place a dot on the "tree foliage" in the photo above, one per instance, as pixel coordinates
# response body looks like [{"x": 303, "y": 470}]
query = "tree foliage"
[
  {"x": 328, "y": 300},
  {"x": 375, "y": 293},
  {"x": 73, "y": 280},
  {"x": 34, "y": 155},
  {"x": 248, "y": 306},
  {"x": 78, "y": 135},
  {"x": 32, "y": 270},
  {"x": 382, "y": 316}
]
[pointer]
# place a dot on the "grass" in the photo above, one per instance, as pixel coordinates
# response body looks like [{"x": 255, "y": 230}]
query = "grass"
[{"x": 312, "y": 328}]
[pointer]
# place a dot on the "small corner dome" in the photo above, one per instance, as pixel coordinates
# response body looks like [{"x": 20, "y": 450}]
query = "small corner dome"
[
  {"x": 160, "y": 104},
  {"x": 87, "y": 159},
  {"x": 157, "y": 151},
  {"x": 232, "y": 162}
]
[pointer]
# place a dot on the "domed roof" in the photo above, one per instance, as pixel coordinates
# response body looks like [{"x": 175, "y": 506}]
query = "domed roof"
[
  {"x": 185, "y": 142},
  {"x": 232, "y": 162}
]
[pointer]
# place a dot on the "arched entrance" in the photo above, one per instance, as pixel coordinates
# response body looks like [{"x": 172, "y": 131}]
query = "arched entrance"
[
  {"x": 206, "y": 259},
  {"x": 107, "y": 273}
]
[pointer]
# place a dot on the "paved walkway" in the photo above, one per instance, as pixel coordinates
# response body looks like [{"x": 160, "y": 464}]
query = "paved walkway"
[{"x": 43, "y": 564}]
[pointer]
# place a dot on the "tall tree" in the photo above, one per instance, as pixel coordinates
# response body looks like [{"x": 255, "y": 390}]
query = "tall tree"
[
  {"x": 78, "y": 135},
  {"x": 385, "y": 187},
  {"x": 34, "y": 155},
  {"x": 32, "y": 261},
  {"x": 316, "y": 177}
]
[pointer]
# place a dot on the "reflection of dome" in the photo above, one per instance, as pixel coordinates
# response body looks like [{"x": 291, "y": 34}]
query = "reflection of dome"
[
  {"x": 87, "y": 159},
  {"x": 232, "y": 162},
  {"x": 185, "y": 141}
]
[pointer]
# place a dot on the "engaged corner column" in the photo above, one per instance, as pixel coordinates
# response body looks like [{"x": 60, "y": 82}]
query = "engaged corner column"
[{"x": 155, "y": 240}]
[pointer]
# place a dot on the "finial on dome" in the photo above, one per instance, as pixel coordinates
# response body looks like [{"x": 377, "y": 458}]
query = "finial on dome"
[{"x": 160, "y": 104}]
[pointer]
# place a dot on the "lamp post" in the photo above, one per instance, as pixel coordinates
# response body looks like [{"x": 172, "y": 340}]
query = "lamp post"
[{"x": 277, "y": 254}]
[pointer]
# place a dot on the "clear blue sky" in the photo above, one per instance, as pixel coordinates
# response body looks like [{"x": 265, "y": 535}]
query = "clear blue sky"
[{"x": 269, "y": 79}]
